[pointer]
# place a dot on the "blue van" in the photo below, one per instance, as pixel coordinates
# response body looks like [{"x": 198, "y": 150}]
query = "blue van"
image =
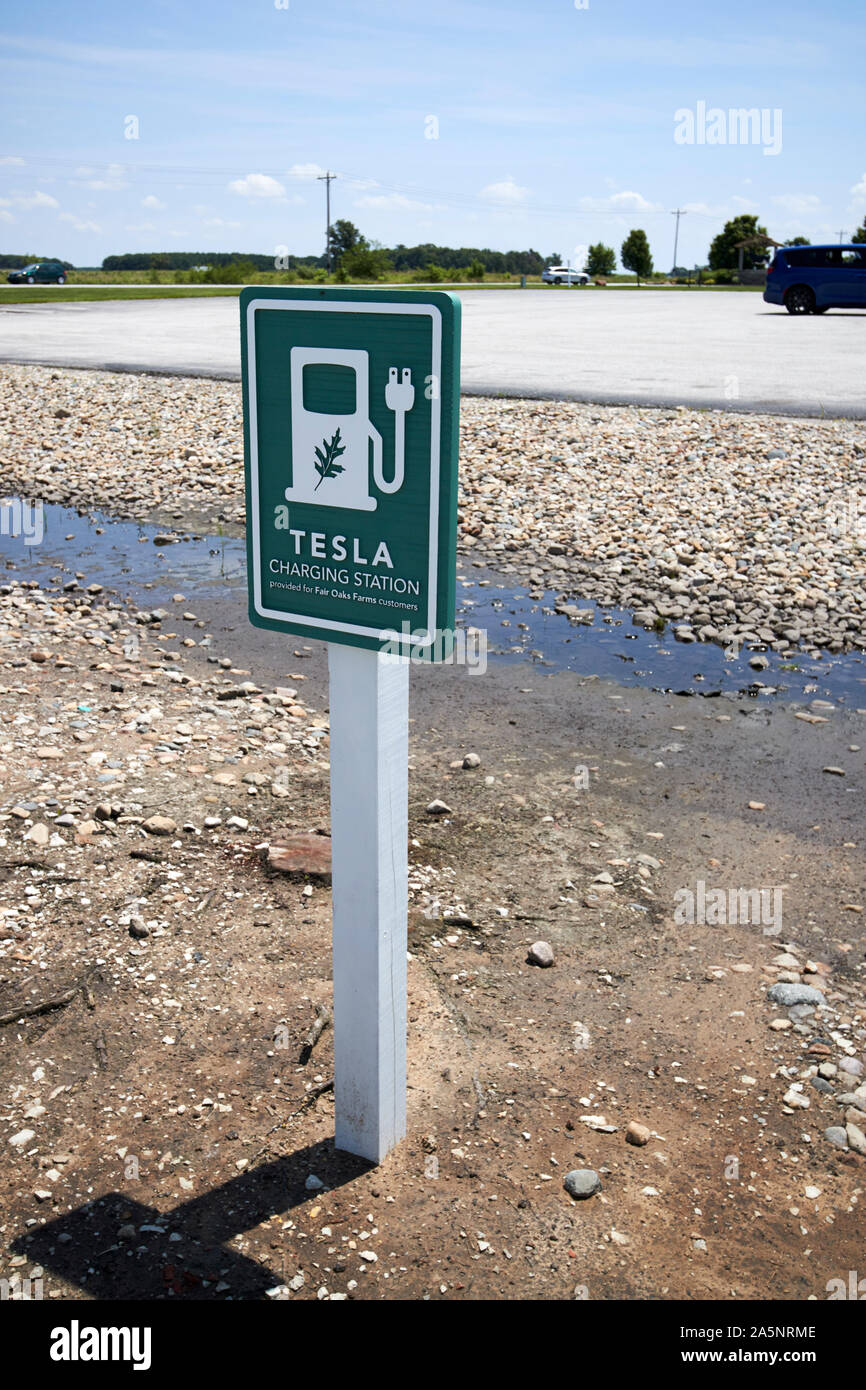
[{"x": 813, "y": 279}]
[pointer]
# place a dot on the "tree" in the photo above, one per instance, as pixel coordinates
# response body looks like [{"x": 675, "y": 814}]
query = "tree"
[
  {"x": 799, "y": 241},
  {"x": 364, "y": 262},
  {"x": 600, "y": 260},
  {"x": 343, "y": 237},
  {"x": 635, "y": 254},
  {"x": 231, "y": 273},
  {"x": 723, "y": 248},
  {"x": 860, "y": 234}
]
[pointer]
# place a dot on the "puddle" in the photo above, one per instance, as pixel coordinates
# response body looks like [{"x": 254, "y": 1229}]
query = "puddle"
[
  {"x": 612, "y": 647},
  {"x": 121, "y": 555}
]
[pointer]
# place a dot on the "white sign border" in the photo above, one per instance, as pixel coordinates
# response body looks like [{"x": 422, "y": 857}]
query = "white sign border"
[{"x": 417, "y": 639}]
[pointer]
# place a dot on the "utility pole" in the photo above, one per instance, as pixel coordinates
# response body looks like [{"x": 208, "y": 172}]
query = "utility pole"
[
  {"x": 841, "y": 236},
  {"x": 677, "y": 213},
  {"x": 327, "y": 177}
]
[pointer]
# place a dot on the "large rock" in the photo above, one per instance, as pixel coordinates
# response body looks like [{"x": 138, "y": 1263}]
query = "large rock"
[
  {"x": 540, "y": 953},
  {"x": 856, "y": 1138},
  {"x": 159, "y": 825},
  {"x": 582, "y": 1183},
  {"x": 302, "y": 854},
  {"x": 637, "y": 1134},
  {"x": 788, "y": 995},
  {"x": 837, "y": 1136}
]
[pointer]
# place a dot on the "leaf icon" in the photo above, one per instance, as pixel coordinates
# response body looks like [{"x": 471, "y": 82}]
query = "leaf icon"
[{"x": 327, "y": 466}]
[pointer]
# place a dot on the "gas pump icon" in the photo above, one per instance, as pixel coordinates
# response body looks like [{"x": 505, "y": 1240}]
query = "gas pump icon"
[{"x": 331, "y": 446}]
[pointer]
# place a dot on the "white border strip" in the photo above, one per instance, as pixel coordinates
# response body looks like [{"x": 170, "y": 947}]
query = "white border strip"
[{"x": 342, "y": 306}]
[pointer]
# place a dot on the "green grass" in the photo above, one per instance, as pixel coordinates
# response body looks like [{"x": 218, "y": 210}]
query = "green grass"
[
  {"x": 41, "y": 294},
  {"x": 38, "y": 294}
]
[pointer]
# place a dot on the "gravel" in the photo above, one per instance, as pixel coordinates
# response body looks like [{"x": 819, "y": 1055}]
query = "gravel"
[{"x": 731, "y": 529}]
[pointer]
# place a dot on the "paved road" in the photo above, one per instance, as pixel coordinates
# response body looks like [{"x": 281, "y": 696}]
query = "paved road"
[{"x": 716, "y": 350}]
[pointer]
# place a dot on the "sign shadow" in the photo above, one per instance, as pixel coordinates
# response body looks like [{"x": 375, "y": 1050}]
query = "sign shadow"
[{"x": 184, "y": 1252}]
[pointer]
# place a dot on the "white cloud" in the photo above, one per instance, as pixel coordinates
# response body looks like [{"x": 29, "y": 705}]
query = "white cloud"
[
  {"x": 859, "y": 189},
  {"x": 632, "y": 202},
  {"x": 306, "y": 171},
  {"x": 797, "y": 204},
  {"x": 78, "y": 224},
  {"x": 6, "y": 216},
  {"x": 625, "y": 201},
  {"x": 722, "y": 212},
  {"x": 257, "y": 186},
  {"x": 11, "y": 159},
  {"x": 505, "y": 192},
  {"x": 30, "y": 200},
  {"x": 220, "y": 222},
  {"x": 706, "y": 209},
  {"x": 153, "y": 203},
  {"x": 392, "y": 202}
]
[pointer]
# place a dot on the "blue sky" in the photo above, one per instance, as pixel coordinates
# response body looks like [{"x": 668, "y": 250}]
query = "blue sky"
[{"x": 555, "y": 127}]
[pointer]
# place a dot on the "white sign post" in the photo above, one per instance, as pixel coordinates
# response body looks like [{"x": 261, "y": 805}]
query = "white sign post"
[
  {"x": 350, "y": 437},
  {"x": 369, "y": 707}
]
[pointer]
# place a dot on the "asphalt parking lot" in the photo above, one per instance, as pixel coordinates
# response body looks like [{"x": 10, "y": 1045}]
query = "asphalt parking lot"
[{"x": 714, "y": 350}]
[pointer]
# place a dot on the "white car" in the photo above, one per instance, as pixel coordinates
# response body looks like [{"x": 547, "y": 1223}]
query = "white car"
[{"x": 564, "y": 275}]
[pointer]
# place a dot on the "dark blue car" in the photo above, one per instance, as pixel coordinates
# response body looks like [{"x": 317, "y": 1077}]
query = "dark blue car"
[{"x": 813, "y": 279}]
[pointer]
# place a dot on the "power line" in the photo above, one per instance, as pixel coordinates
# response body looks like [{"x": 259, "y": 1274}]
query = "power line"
[{"x": 166, "y": 174}]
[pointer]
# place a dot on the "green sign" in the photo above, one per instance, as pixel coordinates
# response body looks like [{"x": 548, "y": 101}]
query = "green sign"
[{"x": 351, "y": 404}]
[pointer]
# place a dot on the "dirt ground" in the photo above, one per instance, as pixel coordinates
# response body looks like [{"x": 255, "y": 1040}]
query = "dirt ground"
[{"x": 179, "y": 1147}]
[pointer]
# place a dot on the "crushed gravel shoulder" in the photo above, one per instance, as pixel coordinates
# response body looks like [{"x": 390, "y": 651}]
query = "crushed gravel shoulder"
[{"x": 729, "y": 528}]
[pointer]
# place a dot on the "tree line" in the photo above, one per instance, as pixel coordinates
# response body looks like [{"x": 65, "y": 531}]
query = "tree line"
[
  {"x": 345, "y": 240},
  {"x": 351, "y": 255},
  {"x": 14, "y": 261},
  {"x": 186, "y": 260}
]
